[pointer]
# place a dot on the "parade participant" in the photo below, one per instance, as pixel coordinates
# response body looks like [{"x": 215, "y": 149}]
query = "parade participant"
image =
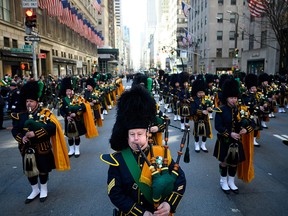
[
  {"x": 228, "y": 148},
  {"x": 130, "y": 180},
  {"x": 94, "y": 98},
  {"x": 175, "y": 91},
  {"x": 77, "y": 116},
  {"x": 185, "y": 99},
  {"x": 210, "y": 91},
  {"x": 283, "y": 92},
  {"x": 33, "y": 130},
  {"x": 264, "y": 97},
  {"x": 13, "y": 98},
  {"x": 199, "y": 112},
  {"x": 165, "y": 92},
  {"x": 250, "y": 100},
  {"x": 218, "y": 94}
]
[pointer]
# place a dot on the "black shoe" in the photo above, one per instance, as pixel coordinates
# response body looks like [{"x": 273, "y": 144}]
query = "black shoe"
[
  {"x": 197, "y": 151},
  {"x": 206, "y": 151},
  {"x": 235, "y": 191},
  {"x": 285, "y": 142},
  {"x": 27, "y": 201},
  {"x": 226, "y": 191},
  {"x": 43, "y": 199},
  {"x": 76, "y": 156}
]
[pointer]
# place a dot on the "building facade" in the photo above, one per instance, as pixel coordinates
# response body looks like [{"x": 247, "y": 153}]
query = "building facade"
[
  {"x": 66, "y": 48},
  {"x": 220, "y": 27}
]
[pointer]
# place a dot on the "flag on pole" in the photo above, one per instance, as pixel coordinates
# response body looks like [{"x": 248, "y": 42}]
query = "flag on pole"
[
  {"x": 257, "y": 7},
  {"x": 185, "y": 8}
]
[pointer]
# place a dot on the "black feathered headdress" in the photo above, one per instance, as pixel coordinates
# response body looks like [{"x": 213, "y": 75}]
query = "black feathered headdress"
[
  {"x": 66, "y": 84},
  {"x": 29, "y": 91},
  {"x": 90, "y": 81},
  {"x": 198, "y": 85},
  {"x": 135, "y": 109},
  {"x": 263, "y": 77},
  {"x": 230, "y": 89},
  {"x": 251, "y": 80}
]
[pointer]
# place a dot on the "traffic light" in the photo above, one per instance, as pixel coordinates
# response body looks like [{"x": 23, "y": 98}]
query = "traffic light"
[
  {"x": 30, "y": 18},
  {"x": 236, "y": 52}
]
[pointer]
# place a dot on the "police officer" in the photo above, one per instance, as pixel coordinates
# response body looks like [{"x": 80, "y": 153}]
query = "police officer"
[{"x": 13, "y": 98}]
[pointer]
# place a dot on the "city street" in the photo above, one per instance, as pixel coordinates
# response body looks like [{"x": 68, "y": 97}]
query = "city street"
[{"x": 83, "y": 189}]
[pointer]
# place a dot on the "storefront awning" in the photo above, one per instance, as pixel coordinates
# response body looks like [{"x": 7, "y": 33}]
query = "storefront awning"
[
  {"x": 8, "y": 53},
  {"x": 66, "y": 61}
]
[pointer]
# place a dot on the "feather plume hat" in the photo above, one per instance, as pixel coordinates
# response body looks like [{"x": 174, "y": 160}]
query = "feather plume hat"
[{"x": 135, "y": 109}]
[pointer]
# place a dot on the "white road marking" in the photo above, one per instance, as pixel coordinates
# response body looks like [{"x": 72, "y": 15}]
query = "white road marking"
[{"x": 280, "y": 137}]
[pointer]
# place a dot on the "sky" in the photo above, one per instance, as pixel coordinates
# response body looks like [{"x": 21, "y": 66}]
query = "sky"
[{"x": 134, "y": 17}]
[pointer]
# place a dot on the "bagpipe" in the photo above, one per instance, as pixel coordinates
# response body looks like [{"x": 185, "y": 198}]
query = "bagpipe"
[{"x": 162, "y": 179}]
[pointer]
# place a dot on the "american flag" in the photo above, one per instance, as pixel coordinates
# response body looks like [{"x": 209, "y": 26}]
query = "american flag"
[
  {"x": 185, "y": 8},
  {"x": 257, "y": 7},
  {"x": 97, "y": 5},
  {"x": 71, "y": 17}
]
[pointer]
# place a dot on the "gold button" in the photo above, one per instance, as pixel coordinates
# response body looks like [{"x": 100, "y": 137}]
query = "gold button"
[{"x": 141, "y": 203}]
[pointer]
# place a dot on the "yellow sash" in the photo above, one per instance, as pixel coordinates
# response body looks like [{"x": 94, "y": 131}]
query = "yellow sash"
[
  {"x": 89, "y": 122},
  {"x": 59, "y": 146}
]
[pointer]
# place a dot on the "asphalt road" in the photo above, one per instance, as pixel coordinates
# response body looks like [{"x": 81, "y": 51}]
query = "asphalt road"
[{"x": 83, "y": 189}]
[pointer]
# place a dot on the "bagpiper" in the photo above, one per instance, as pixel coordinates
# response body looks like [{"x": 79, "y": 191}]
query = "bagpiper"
[{"x": 142, "y": 179}]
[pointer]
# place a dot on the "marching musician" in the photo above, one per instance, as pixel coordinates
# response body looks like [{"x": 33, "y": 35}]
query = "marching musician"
[
  {"x": 200, "y": 111},
  {"x": 175, "y": 91},
  {"x": 77, "y": 116},
  {"x": 185, "y": 99},
  {"x": 228, "y": 148},
  {"x": 94, "y": 98},
  {"x": 210, "y": 90},
  {"x": 33, "y": 130},
  {"x": 250, "y": 100},
  {"x": 264, "y": 96},
  {"x": 136, "y": 167},
  {"x": 283, "y": 93}
]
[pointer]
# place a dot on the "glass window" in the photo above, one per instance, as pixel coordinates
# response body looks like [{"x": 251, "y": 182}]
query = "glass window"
[
  {"x": 231, "y": 52},
  {"x": 219, "y": 52},
  {"x": 263, "y": 39},
  {"x": 14, "y": 43},
  {"x": 232, "y": 35},
  {"x": 219, "y": 35},
  {"x": 5, "y": 10},
  {"x": 220, "y": 17},
  {"x": 251, "y": 42},
  {"x": 232, "y": 18},
  {"x": 6, "y": 42},
  {"x": 220, "y": 2},
  {"x": 233, "y": 2}
]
